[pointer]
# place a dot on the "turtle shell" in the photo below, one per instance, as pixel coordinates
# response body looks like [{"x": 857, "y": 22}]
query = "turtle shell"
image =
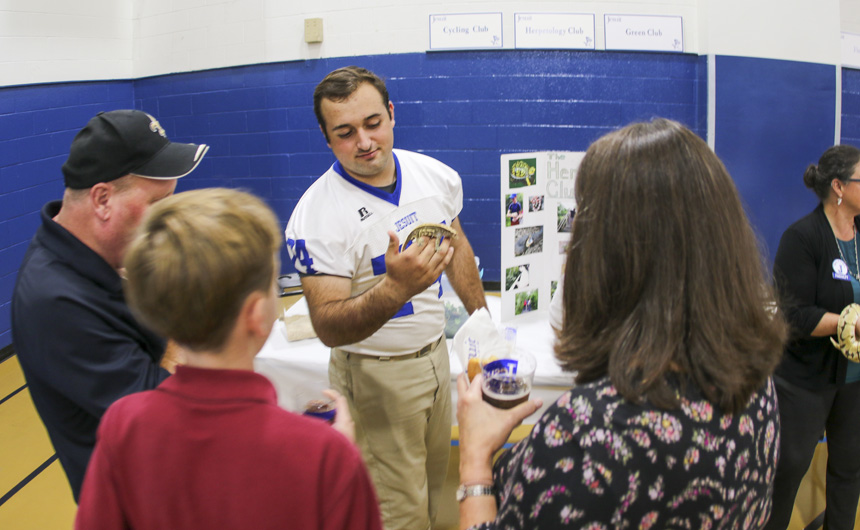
[{"x": 431, "y": 230}]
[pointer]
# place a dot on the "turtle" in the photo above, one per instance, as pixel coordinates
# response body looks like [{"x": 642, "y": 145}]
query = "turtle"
[
  {"x": 431, "y": 230},
  {"x": 845, "y": 332}
]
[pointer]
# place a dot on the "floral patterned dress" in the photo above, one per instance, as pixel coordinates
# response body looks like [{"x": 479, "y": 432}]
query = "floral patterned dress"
[{"x": 596, "y": 461}]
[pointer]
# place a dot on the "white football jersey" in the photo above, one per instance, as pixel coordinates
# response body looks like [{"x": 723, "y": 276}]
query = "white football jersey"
[{"x": 340, "y": 227}]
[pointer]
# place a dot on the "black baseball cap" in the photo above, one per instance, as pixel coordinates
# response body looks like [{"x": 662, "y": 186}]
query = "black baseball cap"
[{"x": 116, "y": 143}]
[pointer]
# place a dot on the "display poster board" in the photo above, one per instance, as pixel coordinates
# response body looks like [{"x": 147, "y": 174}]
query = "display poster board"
[{"x": 537, "y": 212}]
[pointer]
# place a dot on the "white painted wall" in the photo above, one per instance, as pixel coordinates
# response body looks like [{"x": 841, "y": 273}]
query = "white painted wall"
[
  {"x": 201, "y": 34},
  {"x": 62, "y": 40},
  {"x": 185, "y": 35},
  {"x": 59, "y": 40},
  {"x": 798, "y": 30},
  {"x": 850, "y": 15}
]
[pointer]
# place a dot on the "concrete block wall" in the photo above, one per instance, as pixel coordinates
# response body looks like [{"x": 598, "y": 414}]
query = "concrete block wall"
[
  {"x": 53, "y": 40},
  {"x": 773, "y": 118},
  {"x": 851, "y": 106},
  {"x": 465, "y": 108},
  {"x": 37, "y": 124},
  {"x": 462, "y": 108}
]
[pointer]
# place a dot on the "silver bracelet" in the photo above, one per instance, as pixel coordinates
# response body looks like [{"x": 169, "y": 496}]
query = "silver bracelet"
[{"x": 475, "y": 490}]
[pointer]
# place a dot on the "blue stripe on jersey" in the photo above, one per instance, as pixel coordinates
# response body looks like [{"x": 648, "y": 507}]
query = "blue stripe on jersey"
[
  {"x": 406, "y": 310},
  {"x": 393, "y": 198},
  {"x": 378, "y": 265}
]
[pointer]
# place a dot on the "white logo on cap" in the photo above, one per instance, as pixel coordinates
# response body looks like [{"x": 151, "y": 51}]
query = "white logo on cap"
[{"x": 154, "y": 126}]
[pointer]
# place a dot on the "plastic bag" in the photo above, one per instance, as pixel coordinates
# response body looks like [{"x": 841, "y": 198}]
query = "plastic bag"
[{"x": 479, "y": 338}]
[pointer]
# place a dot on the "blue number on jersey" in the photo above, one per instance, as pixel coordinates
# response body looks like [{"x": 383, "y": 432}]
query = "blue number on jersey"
[{"x": 302, "y": 261}]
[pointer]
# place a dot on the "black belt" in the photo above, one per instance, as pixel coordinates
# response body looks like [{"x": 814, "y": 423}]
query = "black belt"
[{"x": 414, "y": 355}]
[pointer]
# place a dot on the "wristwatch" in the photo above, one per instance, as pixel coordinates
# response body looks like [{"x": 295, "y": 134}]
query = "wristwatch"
[{"x": 476, "y": 490}]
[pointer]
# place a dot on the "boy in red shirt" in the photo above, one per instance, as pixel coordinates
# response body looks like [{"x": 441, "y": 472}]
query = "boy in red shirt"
[{"x": 209, "y": 447}]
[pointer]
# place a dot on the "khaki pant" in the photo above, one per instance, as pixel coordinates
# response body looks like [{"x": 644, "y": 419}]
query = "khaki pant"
[{"x": 402, "y": 414}]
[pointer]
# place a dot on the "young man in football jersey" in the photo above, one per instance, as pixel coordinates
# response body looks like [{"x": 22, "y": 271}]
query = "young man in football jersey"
[{"x": 375, "y": 303}]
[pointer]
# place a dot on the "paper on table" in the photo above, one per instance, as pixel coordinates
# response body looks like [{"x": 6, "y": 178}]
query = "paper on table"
[{"x": 298, "y": 327}]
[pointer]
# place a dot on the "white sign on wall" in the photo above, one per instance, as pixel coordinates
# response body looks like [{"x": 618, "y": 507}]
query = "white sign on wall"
[
  {"x": 851, "y": 50},
  {"x": 466, "y": 31},
  {"x": 537, "y": 214},
  {"x": 557, "y": 31},
  {"x": 644, "y": 33}
]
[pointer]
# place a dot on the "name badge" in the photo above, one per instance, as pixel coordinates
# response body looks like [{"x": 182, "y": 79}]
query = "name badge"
[{"x": 840, "y": 270}]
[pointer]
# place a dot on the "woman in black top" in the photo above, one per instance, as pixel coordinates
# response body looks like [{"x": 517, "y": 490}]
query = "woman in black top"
[{"x": 817, "y": 273}]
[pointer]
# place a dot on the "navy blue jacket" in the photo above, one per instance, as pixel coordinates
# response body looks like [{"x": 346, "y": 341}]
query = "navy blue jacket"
[{"x": 79, "y": 345}]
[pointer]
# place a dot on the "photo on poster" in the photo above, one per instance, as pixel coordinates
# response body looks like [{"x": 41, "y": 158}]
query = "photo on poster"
[
  {"x": 536, "y": 203},
  {"x": 553, "y": 285},
  {"x": 517, "y": 277},
  {"x": 526, "y": 302},
  {"x": 514, "y": 209},
  {"x": 528, "y": 240},
  {"x": 565, "y": 217},
  {"x": 522, "y": 172},
  {"x": 563, "y": 246}
]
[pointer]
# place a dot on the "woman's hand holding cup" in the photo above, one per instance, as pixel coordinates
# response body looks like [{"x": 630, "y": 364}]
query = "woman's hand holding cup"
[{"x": 484, "y": 428}]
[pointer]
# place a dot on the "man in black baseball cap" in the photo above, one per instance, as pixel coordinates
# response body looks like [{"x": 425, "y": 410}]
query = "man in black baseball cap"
[
  {"x": 78, "y": 343},
  {"x": 122, "y": 142}
]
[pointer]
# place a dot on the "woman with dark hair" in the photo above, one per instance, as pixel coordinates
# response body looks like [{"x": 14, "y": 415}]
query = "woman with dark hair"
[
  {"x": 816, "y": 272},
  {"x": 673, "y": 420}
]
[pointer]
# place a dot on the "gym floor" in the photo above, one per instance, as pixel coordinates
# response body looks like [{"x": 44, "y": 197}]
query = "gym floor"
[{"x": 35, "y": 494}]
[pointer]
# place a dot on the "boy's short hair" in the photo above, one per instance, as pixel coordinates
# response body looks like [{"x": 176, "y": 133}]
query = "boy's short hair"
[{"x": 196, "y": 258}]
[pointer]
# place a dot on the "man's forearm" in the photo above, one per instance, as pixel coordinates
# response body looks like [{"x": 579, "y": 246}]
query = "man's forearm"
[
  {"x": 342, "y": 322},
  {"x": 341, "y": 319}
]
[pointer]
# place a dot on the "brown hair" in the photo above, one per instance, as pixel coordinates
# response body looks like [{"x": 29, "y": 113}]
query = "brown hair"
[
  {"x": 196, "y": 258},
  {"x": 838, "y": 162},
  {"x": 340, "y": 84},
  {"x": 664, "y": 279}
]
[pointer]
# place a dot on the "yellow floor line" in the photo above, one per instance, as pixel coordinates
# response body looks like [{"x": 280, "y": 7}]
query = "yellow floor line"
[{"x": 45, "y": 503}]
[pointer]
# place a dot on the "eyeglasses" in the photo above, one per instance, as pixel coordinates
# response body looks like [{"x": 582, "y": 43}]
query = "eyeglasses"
[{"x": 852, "y": 180}]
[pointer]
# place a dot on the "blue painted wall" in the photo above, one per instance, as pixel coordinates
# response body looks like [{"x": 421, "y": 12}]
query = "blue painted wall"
[
  {"x": 773, "y": 118},
  {"x": 464, "y": 108},
  {"x": 37, "y": 124},
  {"x": 850, "y": 107}
]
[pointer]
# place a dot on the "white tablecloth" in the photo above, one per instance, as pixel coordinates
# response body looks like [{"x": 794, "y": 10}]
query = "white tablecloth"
[{"x": 299, "y": 370}]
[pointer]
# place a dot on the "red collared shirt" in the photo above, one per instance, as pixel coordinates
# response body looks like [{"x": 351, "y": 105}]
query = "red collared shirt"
[{"x": 212, "y": 449}]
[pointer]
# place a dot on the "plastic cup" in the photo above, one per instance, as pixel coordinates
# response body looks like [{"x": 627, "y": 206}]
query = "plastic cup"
[
  {"x": 508, "y": 380},
  {"x": 324, "y": 410},
  {"x": 500, "y": 350}
]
